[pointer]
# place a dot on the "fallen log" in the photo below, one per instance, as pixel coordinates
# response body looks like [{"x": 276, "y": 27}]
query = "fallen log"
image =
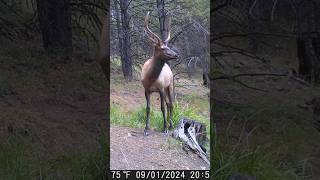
[{"x": 193, "y": 134}]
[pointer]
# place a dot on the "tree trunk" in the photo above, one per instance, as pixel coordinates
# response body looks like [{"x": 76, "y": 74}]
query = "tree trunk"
[
  {"x": 205, "y": 72},
  {"x": 162, "y": 19},
  {"x": 117, "y": 13},
  {"x": 55, "y": 24},
  {"x": 104, "y": 50},
  {"x": 126, "y": 48},
  {"x": 253, "y": 24},
  {"x": 308, "y": 42},
  {"x": 309, "y": 59}
]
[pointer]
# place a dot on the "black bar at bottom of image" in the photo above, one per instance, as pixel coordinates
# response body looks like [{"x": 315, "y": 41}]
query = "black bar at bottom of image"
[{"x": 159, "y": 174}]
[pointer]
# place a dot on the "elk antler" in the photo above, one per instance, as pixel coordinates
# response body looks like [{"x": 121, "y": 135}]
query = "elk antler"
[
  {"x": 151, "y": 34},
  {"x": 169, "y": 30}
]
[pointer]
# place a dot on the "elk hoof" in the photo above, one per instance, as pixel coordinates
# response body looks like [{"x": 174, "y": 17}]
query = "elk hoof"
[
  {"x": 145, "y": 133},
  {"x": 166, "y": 131}
]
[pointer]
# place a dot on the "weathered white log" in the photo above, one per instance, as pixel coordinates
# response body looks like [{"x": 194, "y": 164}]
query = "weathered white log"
[
  {"x": 203, "y": 155},
  {"x": 188, "y": 136}
]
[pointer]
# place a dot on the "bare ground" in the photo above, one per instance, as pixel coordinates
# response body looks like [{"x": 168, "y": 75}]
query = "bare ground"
[{"x": 131, "y": 150}]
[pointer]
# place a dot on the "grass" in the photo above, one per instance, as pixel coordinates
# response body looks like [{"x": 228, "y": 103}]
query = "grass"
[
  {"x": 136, "y": 119},
  {"x": 13, "y": 157},
  {"x": 245, "y": 159},
  {"x": 20, "y": 159},
  {"x": 172, "y": 144}
]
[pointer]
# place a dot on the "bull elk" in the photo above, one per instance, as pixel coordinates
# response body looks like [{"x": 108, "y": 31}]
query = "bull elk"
[{"x": 156, "y": 76}]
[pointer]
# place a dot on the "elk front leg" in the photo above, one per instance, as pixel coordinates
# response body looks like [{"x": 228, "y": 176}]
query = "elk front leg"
[
  {"x": 162, "y": 98},
  {"x": 147, "y": 94},
  {"x": 169, "y": 114},
  {"x": 170, "y": 106}
]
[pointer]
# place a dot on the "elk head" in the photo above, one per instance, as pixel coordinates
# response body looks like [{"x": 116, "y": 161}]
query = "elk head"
[{"x": 161, "y": 49}]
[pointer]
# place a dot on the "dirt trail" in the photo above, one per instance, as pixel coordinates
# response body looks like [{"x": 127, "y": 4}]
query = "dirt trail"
[{"x": 131, "y": 150}]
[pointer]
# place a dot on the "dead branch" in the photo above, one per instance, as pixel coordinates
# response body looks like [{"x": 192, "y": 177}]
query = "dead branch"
[
  {"x": 245, "y": 35},
  {"x": 239, "y": 51},
  {"x": 247, "y": 86},
  {"x": 248, "y": 74}
]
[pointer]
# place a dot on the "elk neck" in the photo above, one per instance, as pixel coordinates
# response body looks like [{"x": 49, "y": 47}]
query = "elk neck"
[{"x": 156, "y": 65}]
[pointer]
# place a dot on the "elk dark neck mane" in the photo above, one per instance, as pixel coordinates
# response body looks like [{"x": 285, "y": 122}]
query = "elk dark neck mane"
[{"x": 155, "y": 68}]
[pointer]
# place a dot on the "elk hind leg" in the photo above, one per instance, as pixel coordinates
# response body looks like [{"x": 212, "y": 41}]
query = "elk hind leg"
[
  {"x": 147, "y": 94},
  {"x": 163, "y": 110}
]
